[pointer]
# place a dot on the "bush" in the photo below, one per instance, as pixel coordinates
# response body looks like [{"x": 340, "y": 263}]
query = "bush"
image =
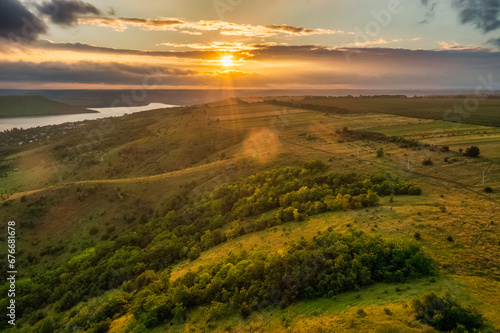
[
  {"x": 417, "y": 236},
  {"x": 445, "y": 314},
  {"x": 414, "y": 190},
  {"x": 488, "y": 189},
  {"x": 380, "y": 153},
  {"x": 427, "y": 161},
  {"x": 472, "y": 151}
]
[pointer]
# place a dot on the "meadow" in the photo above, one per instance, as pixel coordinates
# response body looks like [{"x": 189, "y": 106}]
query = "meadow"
[{"x": 162, "y": 199}]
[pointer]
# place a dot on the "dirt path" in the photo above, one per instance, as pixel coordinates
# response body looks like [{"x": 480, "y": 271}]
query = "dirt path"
[{"x": 197, "y": 168}]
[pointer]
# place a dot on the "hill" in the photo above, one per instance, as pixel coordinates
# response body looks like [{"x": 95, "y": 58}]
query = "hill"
[
  {"x": 239, "y": 215},
  {"x": 26, "y": 106}
]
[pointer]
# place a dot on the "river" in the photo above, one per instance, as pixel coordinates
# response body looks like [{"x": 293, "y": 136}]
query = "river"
[{"x": 29, "y": 122}]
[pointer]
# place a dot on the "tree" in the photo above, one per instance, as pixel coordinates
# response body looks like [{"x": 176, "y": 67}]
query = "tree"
[
  {"x": 179, "y": 313},
  {"x": 472, "y": 151}
]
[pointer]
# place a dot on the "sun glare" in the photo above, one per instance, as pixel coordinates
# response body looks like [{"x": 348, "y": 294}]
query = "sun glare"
[{"x": 227, "y": 61}]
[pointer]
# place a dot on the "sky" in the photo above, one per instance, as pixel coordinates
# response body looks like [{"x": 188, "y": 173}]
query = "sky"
[{"x": 250, "y": 44}]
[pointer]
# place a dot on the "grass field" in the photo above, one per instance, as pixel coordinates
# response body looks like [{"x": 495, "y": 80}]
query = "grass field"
[
  {"x": 459, "y": 109},
  {"x": 110, "y": 183}
]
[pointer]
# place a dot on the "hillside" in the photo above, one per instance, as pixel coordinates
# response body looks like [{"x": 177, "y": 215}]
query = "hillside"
[
  {"x": 26, "y": 106},
  {"x": 247, "y": 215}
]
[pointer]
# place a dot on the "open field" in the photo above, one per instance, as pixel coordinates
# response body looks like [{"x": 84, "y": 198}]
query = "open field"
[
  {"x": 479, "y": 110},
  {"x": 83, "y": 189}
]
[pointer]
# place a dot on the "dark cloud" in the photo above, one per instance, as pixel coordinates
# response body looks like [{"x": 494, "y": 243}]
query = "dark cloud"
[
  {"x": 289, "y": 28},
  {"x": 90, "y": 73},
  {"x": 66, "y": 12},
  {"x": 430, "y": 10},
  {"x": 81, "y": 47},
  {"x": 495, "y": 41},
  {"x": 17, "y": 23},
  {"x": 484, "y": 14}
]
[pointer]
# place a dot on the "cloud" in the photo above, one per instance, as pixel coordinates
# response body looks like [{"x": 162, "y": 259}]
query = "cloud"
[
  {"x": 430, "y": 6},
  {"x": 89, "y": 73},
  {"x": 122, "y": 23},
  {"x": 81, "y": 47},
  {"x": 17, "y": 23},
  {"x": 66, "y": 12},
  {"x": 495, "y": 41},
  {"x": 457, "y": 47},
  {"x": 454, "y": 66},
  {"x": 196, "y": 28},
  {"x": 288, "y": 29},
  {"x": 484, "y": 14},
  {"x": 216, "y": 46},
  {"x": 379, "y": 41},
  {"x": 194, "y": 33}
]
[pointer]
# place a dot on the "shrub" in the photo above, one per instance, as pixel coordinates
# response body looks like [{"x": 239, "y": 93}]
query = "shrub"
[
  {"x": 417, "y": 236},
  {"x": 445, "y": 314},
  {"x": 488, "y": 189},
  {"x": 472, "y": 151},
  {"x": 449, "y": 239},
  {"x": 427, "y": 161},
  {"x": 380, "y": 152},
  {"x": 414, "y": 190}
]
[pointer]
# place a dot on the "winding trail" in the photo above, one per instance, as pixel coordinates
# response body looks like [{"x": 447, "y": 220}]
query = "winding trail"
[{"x": 197, "y": 168}]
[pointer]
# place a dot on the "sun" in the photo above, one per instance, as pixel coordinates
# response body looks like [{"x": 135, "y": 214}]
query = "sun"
[{"x": 227, "y": 61}]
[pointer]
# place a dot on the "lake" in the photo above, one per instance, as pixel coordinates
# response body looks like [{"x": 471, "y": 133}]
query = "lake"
[{"x": 29, "y": 122}]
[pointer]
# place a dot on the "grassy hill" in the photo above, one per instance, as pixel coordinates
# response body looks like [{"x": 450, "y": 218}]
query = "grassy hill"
[
  {"x": 235, "y": 215},
  {"x": 25, "y": 106}
]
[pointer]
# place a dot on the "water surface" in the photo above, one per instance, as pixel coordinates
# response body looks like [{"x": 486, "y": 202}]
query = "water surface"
[{"x": 29, "y": 122}]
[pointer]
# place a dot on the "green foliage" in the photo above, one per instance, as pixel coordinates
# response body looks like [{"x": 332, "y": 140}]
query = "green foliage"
[
  {"x": 47, "y": 326},
  {"x": 189, "y": 227},
  {"x": 445, "y": 314},
  {"x": 179, "y": 313},
  {"x": 414, "y": 190},
  {"x": 380, "y": 152},
  {"x": 472, "y": 151},
  {"x": 329, "y": 264}
]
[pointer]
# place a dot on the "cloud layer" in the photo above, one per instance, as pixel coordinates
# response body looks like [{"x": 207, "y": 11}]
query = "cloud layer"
[
  {"x": 299, "y": 66},
  {"x": 224, "y": 28},
  {"x": 66, "y": 12}
]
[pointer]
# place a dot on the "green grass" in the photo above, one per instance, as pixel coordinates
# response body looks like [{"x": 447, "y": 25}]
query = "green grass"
[
  {"x": 149, "y": 157},
  {"x": 449, "y": 109}
]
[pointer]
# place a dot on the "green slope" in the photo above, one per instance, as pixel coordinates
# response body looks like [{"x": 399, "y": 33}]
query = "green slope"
[{"x": 25, "y": 106}]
